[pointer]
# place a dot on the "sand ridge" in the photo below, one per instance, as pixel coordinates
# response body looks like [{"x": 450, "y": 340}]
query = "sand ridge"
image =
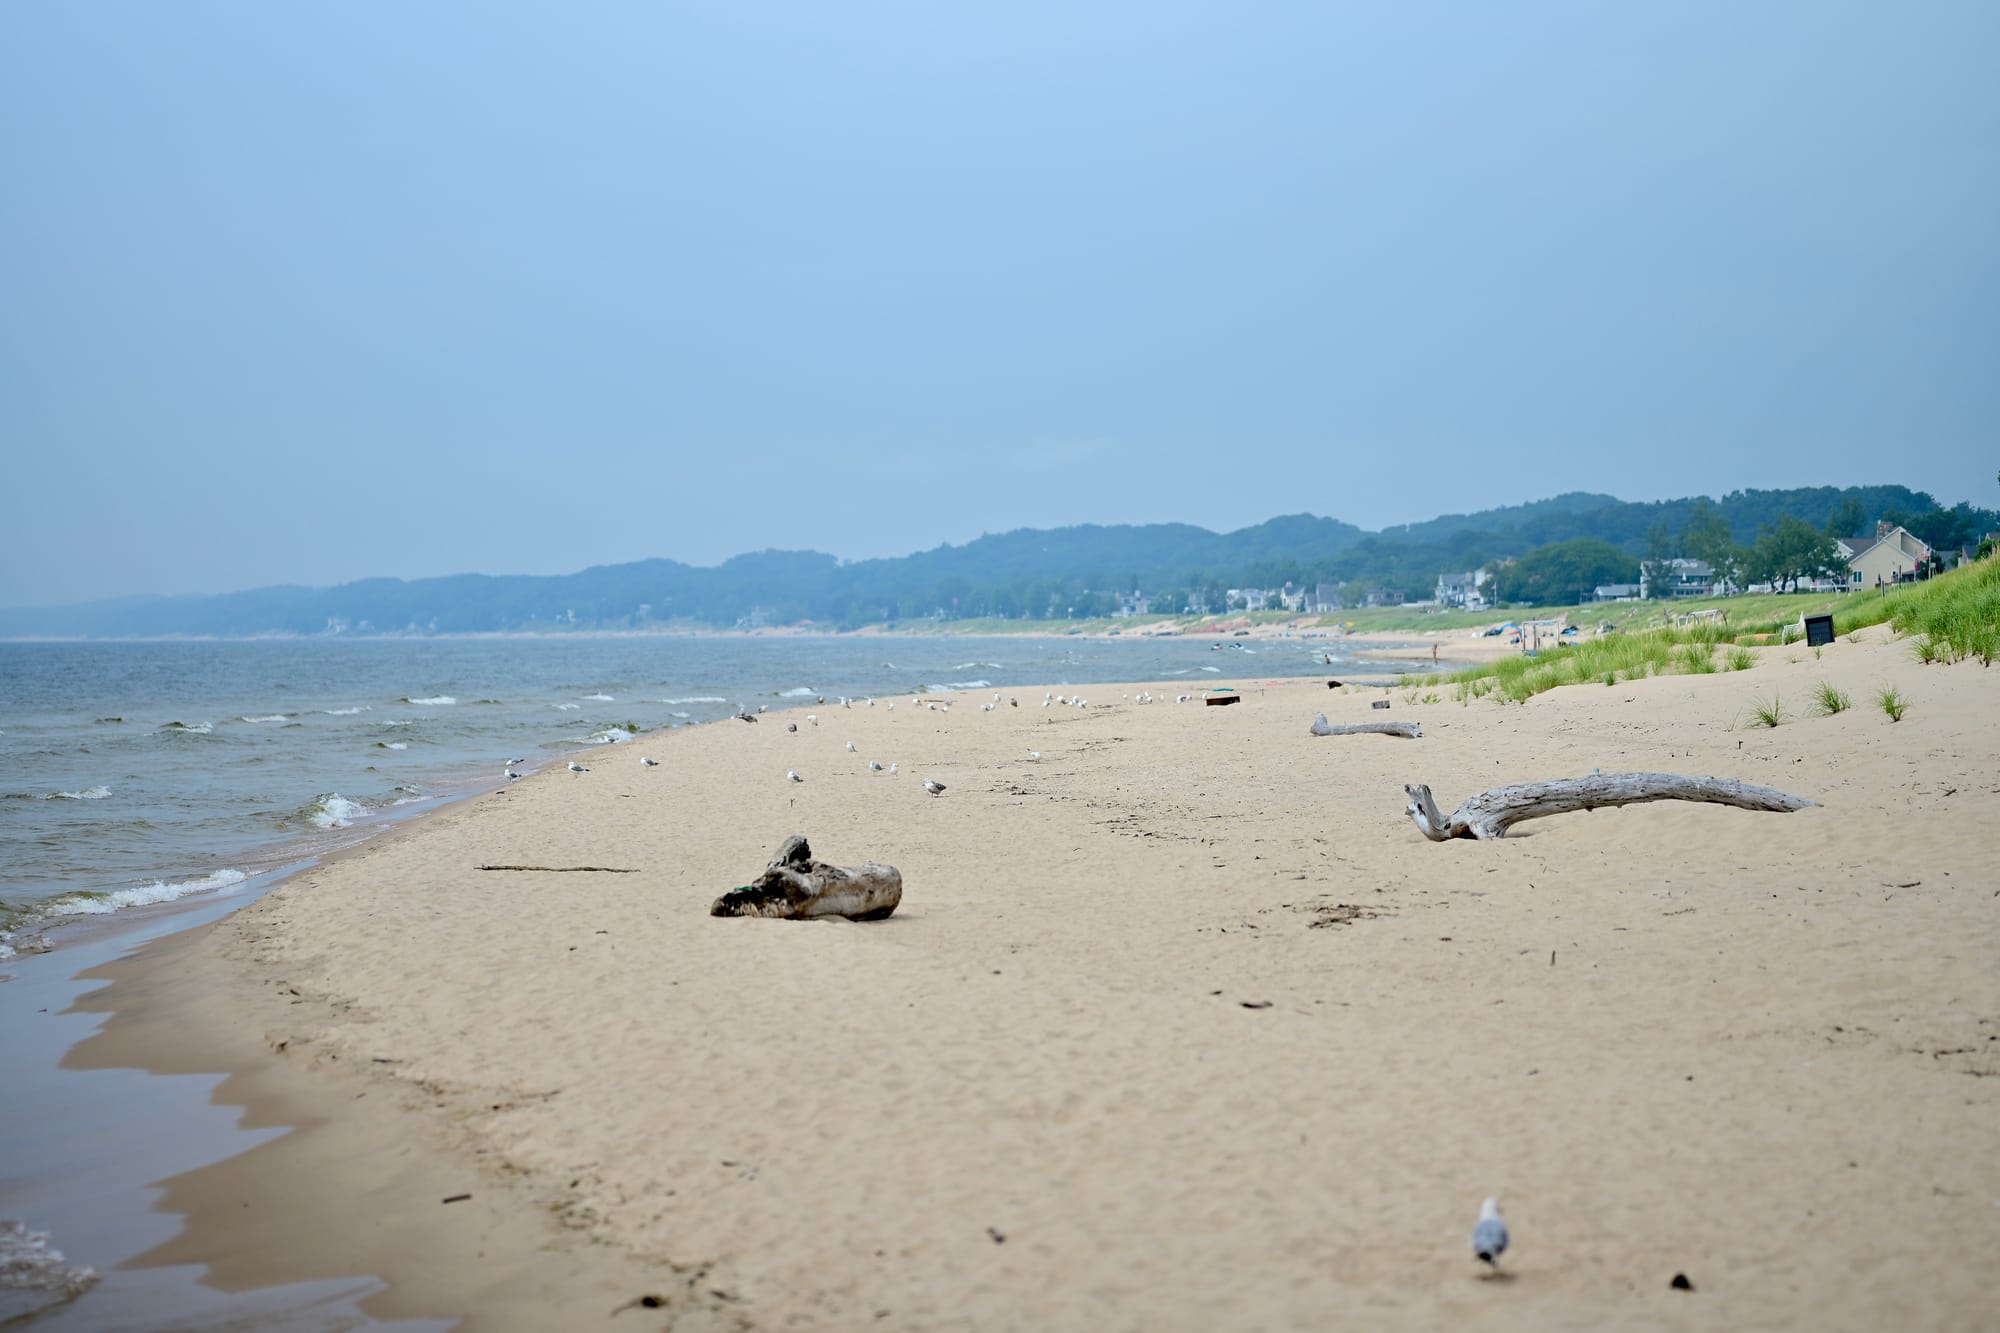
[{"x": 1036, "y": 1098}]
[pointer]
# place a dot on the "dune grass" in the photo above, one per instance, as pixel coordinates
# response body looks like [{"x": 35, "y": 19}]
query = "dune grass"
[
  {"x": 1954, "y": 617},
  {"x": 1827, "y": 700},
  {"x": 1766, "y": 712},
  {"x": 1892, "y": 702}
]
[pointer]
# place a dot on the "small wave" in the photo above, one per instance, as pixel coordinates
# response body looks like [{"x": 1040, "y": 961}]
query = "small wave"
[
  {"x": 565, "y": 708},
  {"x": 695, "y": 699},
  {"x": 268, "y": 717},
  {"x": 1216, "y": 670},
  {"x": 29, "y": 1263},
  {"x": 190, "y": 728},
  {"x": 141, "y": 895},
  {"x": 392, "y": 745},
  {"x": 679, "y": 715},
  {"x": 87, "y": 794},
  {"x": 434, "y": 701},
  {"x": 977, "y": 666},
  {"x": 597, "y": 698},
  {"x": 962, "y": 685},
  {"x": 346, "y": 712},
  {"x": 802, "y": 692},
  {"x": 334, "y": 811},
  {"x": 611, "y": 736}
]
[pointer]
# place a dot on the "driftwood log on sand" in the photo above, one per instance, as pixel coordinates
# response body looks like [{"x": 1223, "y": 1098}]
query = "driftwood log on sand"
[
  {"x": 1407, "y": 730},
  {"x": 795, "y": 887},
  {"x": 1491, "y": 813}
]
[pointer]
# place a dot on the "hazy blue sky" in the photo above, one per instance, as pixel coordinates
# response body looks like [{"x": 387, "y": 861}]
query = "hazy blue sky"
[{"x": 308, "y": 294}]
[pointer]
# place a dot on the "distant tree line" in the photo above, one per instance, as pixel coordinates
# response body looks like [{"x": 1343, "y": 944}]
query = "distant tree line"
[{"x": 1552, "y": 551}]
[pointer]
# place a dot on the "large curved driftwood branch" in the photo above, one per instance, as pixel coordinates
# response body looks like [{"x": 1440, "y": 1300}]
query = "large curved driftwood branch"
[
  {"x": 797, "y": 887},
  {"x": 1407, "y": 730},
  {"x": 1491, "y": 813}
]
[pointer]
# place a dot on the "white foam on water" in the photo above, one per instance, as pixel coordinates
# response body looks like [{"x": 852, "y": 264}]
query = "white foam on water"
[
  {"x": 597, "y": 698},
  {"x": 610, "y": 736},
  {"x": 346, "y": 712},
  {"x": 962, "y": 685},
  {"x": 271, "y": 717},
  {"x": 334, "y": 811},
  {"x": 565, "y": 708},
  {"x": 976, "y": 666},
  {"x": 141, "y": 895},
  {"x": 1216, "y": 670},
  {"x": 29, "y": 1263},
  {"x": 434, "y": 701},
  {"x": 680, "y": 715},
  {"x": 192, "y": 728},
  {"x": 802, "y": 692},
  {"x": 393, "y": 745},
  {"x": 693, "y": 699},
  {"x": 87, "y": 794}
]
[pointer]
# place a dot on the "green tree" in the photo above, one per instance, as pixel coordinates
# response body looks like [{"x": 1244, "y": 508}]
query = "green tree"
[
  {"x": 1656, "y": 573},
  {"x": 1847, "y": 519},
  {"x": 1565, "y": 573},
  {"x": 1790, "y": 550},
  {"x": 1705, "y": 536}
]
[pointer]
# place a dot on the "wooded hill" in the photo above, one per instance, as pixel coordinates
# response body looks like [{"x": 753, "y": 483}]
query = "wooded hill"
[{"x": 1025, "y": 574}]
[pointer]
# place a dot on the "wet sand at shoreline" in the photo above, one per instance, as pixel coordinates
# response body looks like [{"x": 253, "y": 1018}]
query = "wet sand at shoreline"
[{"x": 1182, "y": 1025}]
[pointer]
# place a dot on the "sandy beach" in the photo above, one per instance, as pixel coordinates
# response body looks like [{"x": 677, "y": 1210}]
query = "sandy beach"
[{"x": 1181, "y": 1026}]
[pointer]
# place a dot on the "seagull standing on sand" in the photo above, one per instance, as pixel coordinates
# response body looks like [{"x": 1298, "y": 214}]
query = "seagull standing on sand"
[
  {"x": 874, "y": 766},
  {"x": 792, "y": 777},
  {"x": 1034, "y": 754},
  {"x": 512, "y": 776},
  {"x": 933, "y": 786},
  {"x": 850, "y": 746},
  {"x": 648, "y": 763},
  {"x": 1489, "y": 1233},
  {"x": 575, "y": 767}
]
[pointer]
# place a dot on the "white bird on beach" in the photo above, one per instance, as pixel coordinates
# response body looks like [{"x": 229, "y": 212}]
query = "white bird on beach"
[
  {"x": 648, "y": 763},
  {"x": 933, "y": 786},
  {"x": 792, "y": 777},
  {"x": 874, "y": 766},
  {"x": 850, "y": 746},
  {"x": 813, "y": 718},
  {"x": 512, "y": 776},
  {"x": 1489, "y": 1233},
  {"x": 1034, "y": 754},
  {"x": 575, "y": 767},
  {"x": 892, "y": 770}
]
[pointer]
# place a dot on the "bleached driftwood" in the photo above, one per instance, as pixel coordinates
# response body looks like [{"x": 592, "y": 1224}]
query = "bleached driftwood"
[
  {"x": 795, "y": 886},
  {"x": 1491, "y": 813},
  {"x": 1407, "y": 730}
]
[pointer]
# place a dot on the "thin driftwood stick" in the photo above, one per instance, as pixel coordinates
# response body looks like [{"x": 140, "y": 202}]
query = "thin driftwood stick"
[
  {"x": 1407, "y": 730},
  {"x": 564, "y": 870},
  {"x": 1491, "y": 813}
]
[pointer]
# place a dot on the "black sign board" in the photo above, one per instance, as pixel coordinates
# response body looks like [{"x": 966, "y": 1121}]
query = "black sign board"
[{"x": 1819, "y": 631}]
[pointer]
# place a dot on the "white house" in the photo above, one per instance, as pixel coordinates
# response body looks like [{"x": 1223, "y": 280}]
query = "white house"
[{"x": 1463, "y": 590}]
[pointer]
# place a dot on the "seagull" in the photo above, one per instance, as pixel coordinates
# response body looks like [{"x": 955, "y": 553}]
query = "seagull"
[
  {"x": 511, "y": 762},
  {"x": 850, "y": 745},
  {"x": 792, "y": 777},
  {"x": 892, "y": 770},
  {"x": 813, "y": 718},
  {"x": 1489, "y": 1233},
  {"x": 874, "y": 766},
  {"x": 575, "y": 767},
  {"x": 791, "y": 726},
  {"x": 648, "y": 763},
  {"x": 512, "y": 776},
  {"x": 933, "y": 786},
  {"x": 1034, "y": 754}
]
